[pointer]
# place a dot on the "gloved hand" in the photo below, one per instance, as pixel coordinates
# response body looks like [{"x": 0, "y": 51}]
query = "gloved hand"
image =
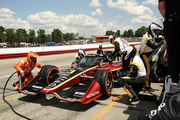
[
  {"x": 159, "y": 44},
  {"x": 22, "y": 73},
  {"x": 110, "y": 60},
  {"x": 159, "y": 39},
  {"x": 113, "y": 55}
]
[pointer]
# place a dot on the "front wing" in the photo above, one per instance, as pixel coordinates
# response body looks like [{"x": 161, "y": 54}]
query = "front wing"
[{"x": 80, "y": 93}]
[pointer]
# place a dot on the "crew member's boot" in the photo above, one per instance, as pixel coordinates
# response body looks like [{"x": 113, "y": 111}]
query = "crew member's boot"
[{"x": 133, "y": 97}]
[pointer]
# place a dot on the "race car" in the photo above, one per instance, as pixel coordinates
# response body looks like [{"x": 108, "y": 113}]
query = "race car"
[{"x": 91, "y": 78}]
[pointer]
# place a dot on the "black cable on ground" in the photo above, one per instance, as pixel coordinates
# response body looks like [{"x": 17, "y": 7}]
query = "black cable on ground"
[{"x": 8, "y": 102}]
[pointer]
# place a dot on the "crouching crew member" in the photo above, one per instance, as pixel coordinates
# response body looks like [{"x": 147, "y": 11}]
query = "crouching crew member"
[
  {"x": 25, "y": 67},
  {"x": 134, "y": 81}
]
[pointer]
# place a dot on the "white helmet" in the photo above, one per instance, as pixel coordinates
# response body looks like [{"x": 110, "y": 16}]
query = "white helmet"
[
  {"x": 112, "y": 38},
  {"x": 131, "y": 52},
  {"x": 81, "y": 53},
  {"x": 153, "y": 27}
]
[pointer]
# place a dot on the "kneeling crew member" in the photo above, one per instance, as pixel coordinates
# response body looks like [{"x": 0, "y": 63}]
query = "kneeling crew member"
[{"x": 136, "y": 78}]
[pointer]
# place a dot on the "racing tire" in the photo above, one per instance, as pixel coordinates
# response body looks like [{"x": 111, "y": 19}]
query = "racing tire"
[
  {"x": 48, "y": 74},
  {"x": 106, "y": 80},
  {"x": 154, "y": 77}
]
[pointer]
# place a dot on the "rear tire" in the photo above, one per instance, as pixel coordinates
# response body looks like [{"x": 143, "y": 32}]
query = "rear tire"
[
  {"x": 105, "y": 78},
  {"x": 48, "y": 74}
]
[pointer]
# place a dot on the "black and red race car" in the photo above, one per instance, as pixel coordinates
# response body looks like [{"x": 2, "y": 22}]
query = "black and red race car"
[{"x": 93, "y": 77}]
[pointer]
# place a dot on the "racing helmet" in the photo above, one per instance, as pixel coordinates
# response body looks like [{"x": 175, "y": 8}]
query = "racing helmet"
[
  {"x": 81, "y": 53},
  {"x": 112, "y": 38},
  {"x": 100, "y": 46},
  {"x": 32, "y": 55},
  {"x": 153, "y": 27},
  {"x": 130, "y": 52}
]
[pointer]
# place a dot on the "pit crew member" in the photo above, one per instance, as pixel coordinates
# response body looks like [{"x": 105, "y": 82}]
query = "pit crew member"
[
  {"x": 25, "y": 67},
  {"x": 119, "y": 43},
  {"x": 80, "y": 55},
  {"x": 119, "y": 47},
  {"x": 149, "y": 43},
  {"x": 100, "y": 51},
  {"x": 134, "y": 81}
]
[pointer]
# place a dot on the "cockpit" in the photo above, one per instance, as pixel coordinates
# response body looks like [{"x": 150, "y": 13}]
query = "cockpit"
[{"x": 90, "y": 60}]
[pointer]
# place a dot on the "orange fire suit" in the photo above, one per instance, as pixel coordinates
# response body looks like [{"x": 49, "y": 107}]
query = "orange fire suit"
[{"x": 26, "y": 66}]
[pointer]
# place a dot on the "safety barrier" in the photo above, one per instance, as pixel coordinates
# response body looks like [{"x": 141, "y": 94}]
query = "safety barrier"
[
  {"x": 16, "y": 52},
  {"x": 17, "y": 55}
]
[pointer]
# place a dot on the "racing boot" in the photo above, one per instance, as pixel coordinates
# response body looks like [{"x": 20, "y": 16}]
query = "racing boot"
[
  {"x": 15, "y": 83},
  {"x": 149, "y": 89},
  {"x": 17, "y": 86},
  {"x": 133, "y": 97}
]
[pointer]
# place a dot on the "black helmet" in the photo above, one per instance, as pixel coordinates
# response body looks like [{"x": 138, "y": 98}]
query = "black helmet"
[{"x": 100, "y": 46}]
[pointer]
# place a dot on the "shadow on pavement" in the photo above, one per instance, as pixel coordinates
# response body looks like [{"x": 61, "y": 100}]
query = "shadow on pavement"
[
  {"x": 147, "y": 102},
  {"x": 54, "y": 102}
]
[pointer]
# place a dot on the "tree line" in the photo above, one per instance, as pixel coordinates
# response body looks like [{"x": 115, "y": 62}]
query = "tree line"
[{"x": 12, "y": 35}]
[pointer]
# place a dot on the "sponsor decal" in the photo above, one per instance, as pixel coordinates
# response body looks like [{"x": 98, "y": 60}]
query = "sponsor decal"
[
  {"x": 92, "y": 94},
  {"x": 155, "y": 112},
  {"x": 57, "y": 82},
  {"x": 79, "y": 93},
  {"x": 38, "y": 87},
  {"x": 79, "y": 68}
]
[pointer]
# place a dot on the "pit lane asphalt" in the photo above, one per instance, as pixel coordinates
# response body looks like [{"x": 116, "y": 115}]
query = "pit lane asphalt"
[{"x": 40, "y": 108}]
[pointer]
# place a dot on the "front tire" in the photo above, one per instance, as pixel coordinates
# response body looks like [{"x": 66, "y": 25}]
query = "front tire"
[
  {"x": 105, "y": 78},
  {"x": 48, "y": 74}
]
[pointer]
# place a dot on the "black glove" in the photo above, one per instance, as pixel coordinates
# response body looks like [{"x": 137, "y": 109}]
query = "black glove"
[
  {"x": 159, "y": 44},
  {"x": 159, "y": 39},
  {"x": 107, "y": 59},
  {"x": 113, "y": 55}
]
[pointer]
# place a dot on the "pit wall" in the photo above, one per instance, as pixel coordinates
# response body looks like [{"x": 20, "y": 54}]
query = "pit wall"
[{"x": 7, "y": 53}]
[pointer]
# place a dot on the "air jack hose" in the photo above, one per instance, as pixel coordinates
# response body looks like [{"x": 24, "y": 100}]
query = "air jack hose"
[{"x": 8, "y": 102}]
